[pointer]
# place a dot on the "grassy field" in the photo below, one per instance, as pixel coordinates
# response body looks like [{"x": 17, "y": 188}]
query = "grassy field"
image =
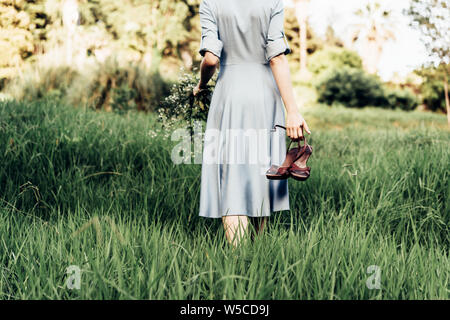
[{"x": 99, "y": 191}]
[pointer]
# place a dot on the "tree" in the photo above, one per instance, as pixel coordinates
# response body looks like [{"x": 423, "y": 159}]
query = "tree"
[
  {"x": 292, "y": 30},
  {"x": 140, "y": 29},
  {"x": 16, "y": 38},
  {"x": 191, "y": 23},
  {"x": 374, "y": 29},
  {"x": 23, "y": 30},
  {"x": 432, "y": 18},
  {"x": 432, "y": 88},
  {"x": 331, "y": 39},
  {"x": 70, "y": 19},
  {"x": 332, "y": 57}
]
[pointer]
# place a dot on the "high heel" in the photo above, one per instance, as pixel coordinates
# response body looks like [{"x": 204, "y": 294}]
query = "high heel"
[
  {"x": 298, "y": 169},
  {"x": 282, "y": 172}
]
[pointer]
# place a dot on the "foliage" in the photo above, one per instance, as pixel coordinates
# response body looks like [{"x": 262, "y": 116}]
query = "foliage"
[
  {"x": 16, "y": 38},
  {"x": 403, "y": 99},
  {"x": 141, "y": 26},
  {"x": 432, "y": 89},
  {"x": 181, "y": 105},
  {"x": 352, "y": 87},
  {"x": 433, "y": 95},
  {"x": 355, "y": 88},
  {"x": 135, "y": 31},
  {"x": 24, "y": 27},
  {"x": 109, "y": 86},
  {"x": 119, "y": 87},
  {"x": 292, "y": 30},
  {"x": 333, "y": 57},
  {"x": 38, "y": 81},
  {"x": 432, "y": 17}
]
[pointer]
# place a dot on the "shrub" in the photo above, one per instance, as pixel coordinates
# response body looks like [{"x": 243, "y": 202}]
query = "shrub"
[
  {"x": 119, "y": 87},
  {"x": 38, "y": 81},
  {"x": 333, "y": 58},
  {"x": 110, "y": 85},
  {"x": 401, "y": 98},
  {"x": 356, "y": 89},
  {"x": 352, "y": 87},
  {"x": 433, "y": 95},
  {"x": 181, "y": 105}
]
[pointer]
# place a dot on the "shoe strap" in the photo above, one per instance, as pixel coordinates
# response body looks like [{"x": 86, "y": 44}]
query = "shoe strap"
[
  {"x": 303, "y": 133},
  {"x": 297, "y": 168}
]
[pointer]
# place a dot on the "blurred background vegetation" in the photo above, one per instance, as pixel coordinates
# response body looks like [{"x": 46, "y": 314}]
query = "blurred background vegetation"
[{"x": 121, "y": 55}]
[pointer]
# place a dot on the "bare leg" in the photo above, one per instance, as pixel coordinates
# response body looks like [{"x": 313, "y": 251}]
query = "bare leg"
[
  {"x": 235, "y": 227},
  {"x": 260, "y": 224}
]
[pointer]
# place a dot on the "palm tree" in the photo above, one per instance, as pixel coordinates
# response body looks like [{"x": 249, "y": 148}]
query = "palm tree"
[{"x": 374, "y": 29}]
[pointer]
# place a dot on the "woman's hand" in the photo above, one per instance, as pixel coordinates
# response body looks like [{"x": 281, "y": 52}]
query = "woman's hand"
[
  {"x": 197, "y": 89},
  {"x": 294, "y": 122}
]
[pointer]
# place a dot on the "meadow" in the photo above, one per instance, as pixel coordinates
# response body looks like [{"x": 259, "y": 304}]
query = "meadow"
[{"x": 98, "y": 190}]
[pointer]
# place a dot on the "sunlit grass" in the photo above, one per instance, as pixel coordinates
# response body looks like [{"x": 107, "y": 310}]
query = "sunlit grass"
[
  {"x": 372, "y": 118},
  {"x": 99, "y": 191}
]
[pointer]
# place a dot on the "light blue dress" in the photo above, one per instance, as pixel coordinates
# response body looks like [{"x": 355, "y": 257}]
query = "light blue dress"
[{"x": 239, "y": 145}]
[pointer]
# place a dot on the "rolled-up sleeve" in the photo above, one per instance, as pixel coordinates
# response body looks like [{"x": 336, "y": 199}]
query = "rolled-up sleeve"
[
  {"x": 210, "y": 33},
  {"x": 276, "y": 39}
]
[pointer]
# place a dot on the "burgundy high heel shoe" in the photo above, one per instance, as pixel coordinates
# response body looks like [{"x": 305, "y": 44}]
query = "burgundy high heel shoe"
[
  {"x": 298, "y": 169},
  {"x": 282, "y": 172}
]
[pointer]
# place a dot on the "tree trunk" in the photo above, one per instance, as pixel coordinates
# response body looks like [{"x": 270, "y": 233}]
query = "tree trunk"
[
  {"x": 147, "y": 58},
  {"x": 70, "y": 17},
  {"x": 447, "y": 101},
  {"x": 301, "y": 10},
  {"x": 372, "y": 53}
]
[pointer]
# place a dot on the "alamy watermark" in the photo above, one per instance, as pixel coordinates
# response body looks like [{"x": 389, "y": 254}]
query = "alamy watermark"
[
  {"x": 230, "y": 146},
  {"x": 374, "y": 281},
  {"x": 74, "y": 277}
]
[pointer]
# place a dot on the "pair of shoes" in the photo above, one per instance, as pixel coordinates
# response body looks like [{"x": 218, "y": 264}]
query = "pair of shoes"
[{"x": 295, "y": 164}]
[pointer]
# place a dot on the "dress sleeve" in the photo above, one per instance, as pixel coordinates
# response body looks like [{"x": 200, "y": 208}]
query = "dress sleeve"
[
  {"x": 276, "y": 39},
  {"x": 210, "y": 33}
]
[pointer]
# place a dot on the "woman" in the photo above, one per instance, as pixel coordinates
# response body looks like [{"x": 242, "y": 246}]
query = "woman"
[{"x": 247, "y": 38}]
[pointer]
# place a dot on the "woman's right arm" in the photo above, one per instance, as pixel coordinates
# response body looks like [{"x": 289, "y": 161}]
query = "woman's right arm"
[
  {"x": 280, "y": 69},
  {"x": 207, "y": 69}
]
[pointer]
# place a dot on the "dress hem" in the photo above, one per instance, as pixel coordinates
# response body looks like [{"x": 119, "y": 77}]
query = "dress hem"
[{"x": 244, "y": 214}]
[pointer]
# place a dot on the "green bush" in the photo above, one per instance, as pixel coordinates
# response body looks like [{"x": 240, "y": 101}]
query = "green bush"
[
  {"x": 119, "y": 87},
  {"x": 110, "y": 86},
  {"x": 402, "y": 99},
  {"x": 352, "y": 87},
  {"x": 39, "y": 81},
  {"x": 333, "y": 58},
  {"x": 433, "y": 95},
  {"x": 355, "y": 88}
]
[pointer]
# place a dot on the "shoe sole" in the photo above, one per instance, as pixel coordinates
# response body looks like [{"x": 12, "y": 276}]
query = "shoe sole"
[{"x": 276, "y": 177}]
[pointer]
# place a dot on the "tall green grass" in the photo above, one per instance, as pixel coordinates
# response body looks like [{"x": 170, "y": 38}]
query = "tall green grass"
[{"x": 99, "y": 191}]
